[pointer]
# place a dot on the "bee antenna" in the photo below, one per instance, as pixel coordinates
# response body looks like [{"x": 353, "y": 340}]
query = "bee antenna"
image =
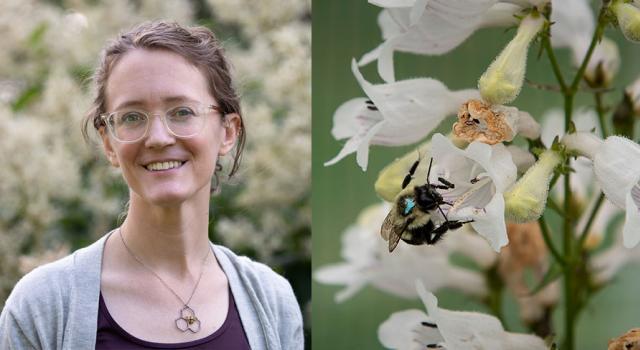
[{"x": 429, "y": 171}]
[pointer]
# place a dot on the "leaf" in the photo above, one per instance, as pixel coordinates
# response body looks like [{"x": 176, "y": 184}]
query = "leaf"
[
  {"x": 37, "y": 35},
  {"x": 27, "y": 96}
]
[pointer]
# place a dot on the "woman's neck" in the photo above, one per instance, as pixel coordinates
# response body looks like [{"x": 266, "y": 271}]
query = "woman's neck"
[{"x": 172, "y": 239}]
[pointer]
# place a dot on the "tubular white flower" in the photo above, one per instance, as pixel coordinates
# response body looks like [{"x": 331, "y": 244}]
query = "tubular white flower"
[
  {"x": 628, "y": 16},
  {"x": 502, "y": 81},
  {"x": 413, "y": 329},
  {"x": 582, "y": 180},
  {"x": 399, "y": 113},
  {"x": 481, "y": 173},
  {"x": 368, "y": 262},
  {"x": 527, "y": 199},
  {"x": 435, "y": 27},
  {"x": 616, "y": 164}
]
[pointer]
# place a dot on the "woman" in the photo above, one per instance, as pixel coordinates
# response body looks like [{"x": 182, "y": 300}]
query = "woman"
[{"x": 166, "y": 110}]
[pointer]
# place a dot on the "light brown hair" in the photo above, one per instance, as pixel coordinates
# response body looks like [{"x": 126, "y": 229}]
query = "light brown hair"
[{"x": 198, "y": 45}]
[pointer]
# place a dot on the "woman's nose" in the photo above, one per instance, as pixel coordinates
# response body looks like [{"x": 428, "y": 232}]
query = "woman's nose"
[{"x": 158, "y": 135}]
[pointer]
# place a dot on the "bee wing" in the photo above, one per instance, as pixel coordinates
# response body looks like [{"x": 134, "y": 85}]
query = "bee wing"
[{"x": 392, "y": 232}]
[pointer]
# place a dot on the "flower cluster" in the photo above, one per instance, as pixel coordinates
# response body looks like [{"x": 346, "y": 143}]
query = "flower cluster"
[{"x": 498, "y": 175}]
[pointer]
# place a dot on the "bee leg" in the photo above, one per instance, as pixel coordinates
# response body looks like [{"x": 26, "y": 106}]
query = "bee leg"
[
  {"x": 446, "y": 184},
  {"x": 437, "y": 233},
  {"x": 412, "y": 171}
]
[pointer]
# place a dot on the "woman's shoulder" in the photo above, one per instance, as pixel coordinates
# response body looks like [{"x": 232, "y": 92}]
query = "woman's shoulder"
[
  {"x": 266, "y": 297},
  {"x": 49, "y": 285},
  {"x": 258, "y": 274}
]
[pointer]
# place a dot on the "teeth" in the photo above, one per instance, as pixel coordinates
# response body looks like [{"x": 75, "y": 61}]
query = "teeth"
[{"x": 163, "y": 165}]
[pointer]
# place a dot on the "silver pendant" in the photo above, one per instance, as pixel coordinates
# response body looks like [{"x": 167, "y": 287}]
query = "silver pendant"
[{"x": 188, "y": 320}]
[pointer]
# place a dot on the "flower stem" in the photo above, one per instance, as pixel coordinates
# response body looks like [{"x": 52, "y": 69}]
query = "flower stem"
[
  {"x": 547, "y": 240},
  {"x": 594, "y": 41},
  {"x": 600, "y": 111},
  {"x": 546, "y": 43},
  {"x": 592, "y": 216}
]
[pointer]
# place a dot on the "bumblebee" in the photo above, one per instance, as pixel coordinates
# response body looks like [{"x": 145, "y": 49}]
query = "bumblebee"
[{"x": 410, "y": 218}]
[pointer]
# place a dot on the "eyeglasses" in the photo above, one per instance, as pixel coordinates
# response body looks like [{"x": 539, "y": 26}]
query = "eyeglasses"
[{"x": 132, "y": 125}]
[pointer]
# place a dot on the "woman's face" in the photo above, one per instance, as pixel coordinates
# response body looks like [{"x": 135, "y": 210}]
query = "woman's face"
[{"x": 156, "y": 81}]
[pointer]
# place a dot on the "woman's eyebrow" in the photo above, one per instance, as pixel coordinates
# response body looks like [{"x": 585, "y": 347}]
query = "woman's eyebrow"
[{"x": 166, "y": 100}]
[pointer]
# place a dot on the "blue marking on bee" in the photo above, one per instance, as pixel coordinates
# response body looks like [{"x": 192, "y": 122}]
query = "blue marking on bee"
[{"x": 409, "y": 203}]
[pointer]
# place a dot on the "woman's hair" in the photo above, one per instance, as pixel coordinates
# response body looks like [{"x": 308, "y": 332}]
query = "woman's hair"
[{"x": 198, "y": 45}]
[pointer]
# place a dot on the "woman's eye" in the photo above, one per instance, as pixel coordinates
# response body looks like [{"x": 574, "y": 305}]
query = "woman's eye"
[
  {"x": 131, "y": 118},
  {"x": 182, "y": 113}
]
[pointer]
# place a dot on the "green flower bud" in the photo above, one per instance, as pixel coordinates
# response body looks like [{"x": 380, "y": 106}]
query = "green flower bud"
[
  {"x": 526, "y": 200},
  {"x": 502, "y": 81},
  {"x": 628, "y": 17}
]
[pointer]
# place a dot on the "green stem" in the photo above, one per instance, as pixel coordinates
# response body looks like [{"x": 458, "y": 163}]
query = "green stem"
[
  {"x": 594, "y": 41},
  {"x": 592, "y": 216},
  {"x": 546, "y": 43},
  {"x": 600, "y": 111},
  {"x": 547, "y": 240}
]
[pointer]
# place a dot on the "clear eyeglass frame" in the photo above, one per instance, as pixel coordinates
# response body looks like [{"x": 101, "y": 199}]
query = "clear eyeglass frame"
[{"x": 199, "y": 111}]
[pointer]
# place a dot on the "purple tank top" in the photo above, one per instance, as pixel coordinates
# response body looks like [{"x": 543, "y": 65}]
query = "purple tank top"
[{"x": 229, "y": 336}]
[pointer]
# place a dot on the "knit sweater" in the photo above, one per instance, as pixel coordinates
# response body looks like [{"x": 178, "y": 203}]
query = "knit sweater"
[{"x": 55, "y": 306}]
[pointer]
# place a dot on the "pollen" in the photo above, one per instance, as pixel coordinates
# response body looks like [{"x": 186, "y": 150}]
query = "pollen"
[{"x": 479, "y": 121}]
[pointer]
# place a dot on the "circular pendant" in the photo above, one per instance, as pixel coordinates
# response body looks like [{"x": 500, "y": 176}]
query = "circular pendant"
[{"x": 188, "y": 320}]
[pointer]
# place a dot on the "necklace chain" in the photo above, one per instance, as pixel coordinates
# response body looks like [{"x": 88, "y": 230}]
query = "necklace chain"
[{"x": 159, "y": 278}]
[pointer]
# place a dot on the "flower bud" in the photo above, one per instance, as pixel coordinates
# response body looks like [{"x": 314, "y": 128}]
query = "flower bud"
[
  {"x": 628, "y": 17},
  {"x": 526, "y": 200},
  {"x": 502, "y": 81},
  {"x": 603, "y": 65},
  {"x": 633, "y": 93}
]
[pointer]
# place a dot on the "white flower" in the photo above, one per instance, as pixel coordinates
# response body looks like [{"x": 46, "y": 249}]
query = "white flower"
[
  {"x": 606, "y": 264},
  {"x": 481, "y": 174},
  {"x": 368, "y": 262},
  {"x": 616, "y": 164},
  {"x": 573, "y": 26},
  {"x": 454, "y": 330},
  {"x": 437, "y": 26},
  {"x": 582, "y": 184},
  {"x": 396, "y": 114},
  {"x": 502, "y": 81}
]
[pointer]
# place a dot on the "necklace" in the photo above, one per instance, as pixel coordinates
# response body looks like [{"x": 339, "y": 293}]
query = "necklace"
[{"x": 187, "y": 319}]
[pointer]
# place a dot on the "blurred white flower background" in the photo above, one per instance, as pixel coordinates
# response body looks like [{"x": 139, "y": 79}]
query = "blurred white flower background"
[{"x": 58, "y": 194}]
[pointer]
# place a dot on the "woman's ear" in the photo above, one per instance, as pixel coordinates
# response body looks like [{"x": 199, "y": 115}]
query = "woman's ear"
[
  {"x": 107, "y": 147},
  {"x": 231, "y": 126}
]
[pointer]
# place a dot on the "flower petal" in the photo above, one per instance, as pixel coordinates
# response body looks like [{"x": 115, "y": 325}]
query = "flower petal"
[
  {"x": 489, "y": 221},
  {"x": 404, "y": 330},
  {"x": 497, "y": 162},
  {"x": 406, "y": 112},
  {"x": 617, "y": 168},
  {"x": 437, "y": 29},
  {"x": 471, "y": 330}
]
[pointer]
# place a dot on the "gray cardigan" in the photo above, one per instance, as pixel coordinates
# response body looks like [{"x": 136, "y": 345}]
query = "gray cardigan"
[{"x": 55, "y": 306}]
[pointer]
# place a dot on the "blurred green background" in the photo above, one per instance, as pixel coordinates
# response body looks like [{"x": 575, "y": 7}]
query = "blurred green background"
[{"x": 343, "y": 30}]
